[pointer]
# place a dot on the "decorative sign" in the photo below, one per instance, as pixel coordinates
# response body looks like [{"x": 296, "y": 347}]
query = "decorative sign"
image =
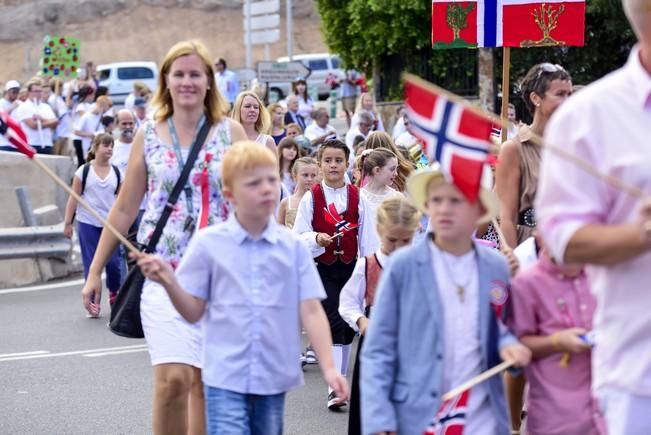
[
  {"x": 60, "y": 56},
  {"x": 507, "y": 23}
]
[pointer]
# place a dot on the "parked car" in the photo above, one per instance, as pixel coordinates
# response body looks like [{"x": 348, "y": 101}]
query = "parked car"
[
  {"x": 119, "y": 77},
  {"x": 321, "y": 65}
]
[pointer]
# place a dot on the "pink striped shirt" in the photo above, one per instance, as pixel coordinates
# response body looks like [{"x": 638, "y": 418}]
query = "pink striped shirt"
[{"x": 608, "y": 124}]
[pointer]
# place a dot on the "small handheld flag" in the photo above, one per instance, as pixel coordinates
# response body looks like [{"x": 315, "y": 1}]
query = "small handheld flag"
[
  {"x": 456, "y": 137},
  {"x": 332, "y": 217},
  {"x": 11, "y": 129},
  {"x": 450, "y": 419}
]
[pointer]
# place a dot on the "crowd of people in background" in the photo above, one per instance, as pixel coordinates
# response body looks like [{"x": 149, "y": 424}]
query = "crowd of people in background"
[{"x": 391, "y": 248}]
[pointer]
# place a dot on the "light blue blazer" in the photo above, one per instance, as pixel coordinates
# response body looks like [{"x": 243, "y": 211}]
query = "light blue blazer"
[{"x": 402, "y": 356}]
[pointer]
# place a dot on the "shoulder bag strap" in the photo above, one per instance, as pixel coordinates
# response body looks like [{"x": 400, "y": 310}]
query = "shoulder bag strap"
[{"x": 178, "y": 187}]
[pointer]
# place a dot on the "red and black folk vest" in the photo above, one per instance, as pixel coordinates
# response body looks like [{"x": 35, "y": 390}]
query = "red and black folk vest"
[
  {"x": 343, "y": 248},
  {"x": 372, "y": 272}
]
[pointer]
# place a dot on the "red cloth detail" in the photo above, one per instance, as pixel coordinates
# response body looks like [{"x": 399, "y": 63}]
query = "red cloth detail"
[
  {"x": 372, "y": 273},
  {"x": 348, "y": 241}
]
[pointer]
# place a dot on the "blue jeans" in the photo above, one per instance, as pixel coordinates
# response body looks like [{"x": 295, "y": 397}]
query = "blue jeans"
[
  {"x": 88, "y": 240},
  {"x": 231, "y": 413}
]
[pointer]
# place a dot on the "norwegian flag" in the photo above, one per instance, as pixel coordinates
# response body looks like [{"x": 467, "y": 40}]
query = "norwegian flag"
[
  {"x": 14, "y": 133},
  {"x": 456, "y": 137},
  {"x": 508, "y": 23},
  {"x": 332, "y": 217},
  {"x": 451, "y": 416}
]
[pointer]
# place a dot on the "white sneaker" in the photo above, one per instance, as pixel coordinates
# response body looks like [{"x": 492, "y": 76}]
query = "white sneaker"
[{"x": 334, "y": 402}]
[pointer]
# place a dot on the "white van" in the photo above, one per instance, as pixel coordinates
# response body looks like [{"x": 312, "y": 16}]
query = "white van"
[
  {"x": 119, "y": 77},
  {"x": 321, "y": 64}
]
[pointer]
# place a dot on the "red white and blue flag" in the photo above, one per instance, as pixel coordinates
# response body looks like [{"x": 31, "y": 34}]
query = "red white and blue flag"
[
  {"x": 508, "y": 23},
  {"x": 451, "y": 417},
  {"x": 333, "y": 217},
  {"x": 11, "y": 129},
  {"x": 456, "y": 137}
]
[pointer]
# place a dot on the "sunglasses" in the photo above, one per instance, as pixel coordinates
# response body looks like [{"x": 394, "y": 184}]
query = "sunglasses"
[{"x": 549, "y": 68}]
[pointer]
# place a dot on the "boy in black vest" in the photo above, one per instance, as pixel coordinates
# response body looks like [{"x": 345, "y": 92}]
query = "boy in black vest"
[{"x": 334, "y": 246}]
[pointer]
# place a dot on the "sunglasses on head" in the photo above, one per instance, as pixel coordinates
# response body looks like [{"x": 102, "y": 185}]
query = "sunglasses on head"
[{"x": 549, "y": 68}]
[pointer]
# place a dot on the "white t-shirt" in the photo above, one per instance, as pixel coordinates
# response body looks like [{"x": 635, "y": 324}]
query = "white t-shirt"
[
  {"x": 26, "y": 111},
  {"x": 313, "y": 131},
  {"x": 5, "y": 105},
  {"x": 58, "y": 104},
  {"x": 120, "y": 156},
  {"x": 91, "y": 123},
  {"x": 305, "y": 109},
  {"x": 99, "y": 193},
  {"x": 129, "y": 102},
  {"x": 350, "y": 139},
  {"x": 76, "y": 113}
]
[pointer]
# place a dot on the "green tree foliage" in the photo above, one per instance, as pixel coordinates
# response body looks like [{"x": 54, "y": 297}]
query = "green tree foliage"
[{"x": 395, "y": 35}]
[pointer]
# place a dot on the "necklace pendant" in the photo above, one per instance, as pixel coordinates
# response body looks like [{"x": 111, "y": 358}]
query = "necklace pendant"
[{"x": 461, "y": 292}]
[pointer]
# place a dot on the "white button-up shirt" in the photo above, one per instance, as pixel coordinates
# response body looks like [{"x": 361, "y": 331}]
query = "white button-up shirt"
[
  {"x": 304, "y": 215},
  {"x": 608, "y": 125},
  {"x": 352, "y": 302},
  {"x": 253, "y": 289}
]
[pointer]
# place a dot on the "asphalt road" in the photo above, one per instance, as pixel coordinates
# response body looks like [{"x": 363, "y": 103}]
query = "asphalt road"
[{"x": 61, "y": 373}]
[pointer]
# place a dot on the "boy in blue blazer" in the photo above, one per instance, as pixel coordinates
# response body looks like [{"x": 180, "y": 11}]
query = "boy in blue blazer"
[{"x": 434, "y": 325}]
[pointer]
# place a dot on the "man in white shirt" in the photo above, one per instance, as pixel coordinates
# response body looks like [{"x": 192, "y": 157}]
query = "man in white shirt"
[
  {"x": 8, "y": 103},
  {"x": 584, "y": 220},
  {"x": 9, "y": 100},
  {"x": 37, "y": 119},
  {"x": 140, "y": 111},
  {"x": 227, "y": 81},
  {"x": 320, "y": 130},
  {"x": 363, "y": 128},
  {"x": 292, "y": 115},
  {"x": 126, "y": 124},
  {"x": 91, "y": 122}
]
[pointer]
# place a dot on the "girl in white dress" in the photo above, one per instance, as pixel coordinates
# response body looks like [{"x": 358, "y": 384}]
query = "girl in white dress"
[{"x": 379, "y": 170}]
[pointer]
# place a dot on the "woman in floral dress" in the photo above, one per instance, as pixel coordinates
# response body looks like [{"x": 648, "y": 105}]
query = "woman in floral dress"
[{"x": 186, "y": 97}]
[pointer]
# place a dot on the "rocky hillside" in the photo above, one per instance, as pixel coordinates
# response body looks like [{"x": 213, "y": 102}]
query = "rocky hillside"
[{"x": 119, "y": 30}]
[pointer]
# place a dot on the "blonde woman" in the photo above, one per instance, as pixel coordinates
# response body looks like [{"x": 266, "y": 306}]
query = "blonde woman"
[
  {"x": 186, "y": 97},
  {"x": 277, "y": 114},
  {"x": 249, "y": 111},
  {"x": 366, "y": 103}
]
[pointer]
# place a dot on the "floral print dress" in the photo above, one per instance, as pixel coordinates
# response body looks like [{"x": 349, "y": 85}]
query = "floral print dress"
[{"x": 162, "y": 173}]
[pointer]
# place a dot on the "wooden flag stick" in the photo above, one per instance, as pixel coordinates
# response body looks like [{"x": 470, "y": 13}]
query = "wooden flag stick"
[
  {"x": 477, "y": 380},
  {"x": 536, "y": 139},
  {"x": 87, "y": 206},
  {"x": 506, "y": 89}
]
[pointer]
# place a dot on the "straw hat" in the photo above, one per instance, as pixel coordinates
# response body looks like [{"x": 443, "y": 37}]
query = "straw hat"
[{"x": 417, "y": 187}]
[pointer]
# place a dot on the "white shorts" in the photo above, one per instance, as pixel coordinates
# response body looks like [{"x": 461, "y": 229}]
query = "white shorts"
[{"x": 170, "y": 338}]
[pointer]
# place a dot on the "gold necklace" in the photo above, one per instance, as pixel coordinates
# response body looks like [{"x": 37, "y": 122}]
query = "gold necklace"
[{"x": 461, "y": 288}]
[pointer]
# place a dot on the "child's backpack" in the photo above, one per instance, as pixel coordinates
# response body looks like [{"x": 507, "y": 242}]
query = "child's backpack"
[{"x": 86, "y": 170}]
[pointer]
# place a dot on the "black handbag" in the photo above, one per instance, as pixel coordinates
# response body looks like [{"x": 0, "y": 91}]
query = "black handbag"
[{"x": 125, "y": 313}]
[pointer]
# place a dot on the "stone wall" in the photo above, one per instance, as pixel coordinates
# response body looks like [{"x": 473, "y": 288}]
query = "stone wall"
[{"x": 17, "y": 170}]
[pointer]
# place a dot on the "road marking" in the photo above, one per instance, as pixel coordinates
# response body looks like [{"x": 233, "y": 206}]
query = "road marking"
[
  {"x": 115, "y": 352},
  {"x": 36, "y": 288},
  {"x": 39, "y": 354},
  {"x": 36, "y": 352}
]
